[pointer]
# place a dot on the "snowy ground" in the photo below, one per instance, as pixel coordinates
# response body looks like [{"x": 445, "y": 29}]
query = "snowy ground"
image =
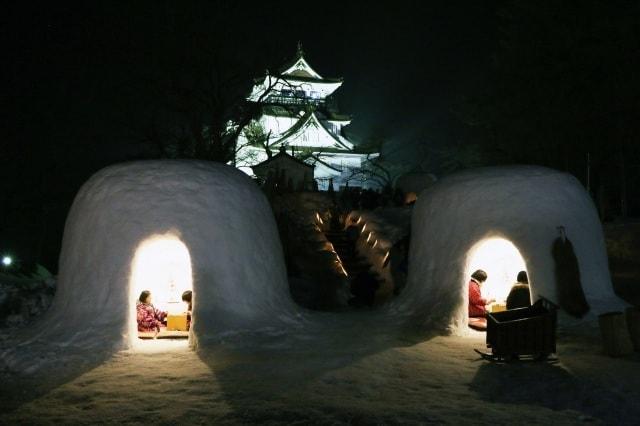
[
  {"x": 346, "y": 368},
  {"x": 349, "y": 370}
]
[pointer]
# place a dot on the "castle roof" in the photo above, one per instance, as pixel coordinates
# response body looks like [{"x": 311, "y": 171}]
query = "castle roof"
[{"x": 299, "y": 69}]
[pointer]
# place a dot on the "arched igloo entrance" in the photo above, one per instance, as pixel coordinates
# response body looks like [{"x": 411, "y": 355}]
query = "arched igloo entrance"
[
  {"x": 222, "y": 218},
  {"x": 162, "y": 266},
  {"x": 501, "y": 260},
  {"x": 524, "y": 205}
]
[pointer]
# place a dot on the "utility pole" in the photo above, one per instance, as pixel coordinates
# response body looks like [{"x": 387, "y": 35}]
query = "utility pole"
[
  {"x": 623, "y": 187},
  {"x": 588, "y": 172}
]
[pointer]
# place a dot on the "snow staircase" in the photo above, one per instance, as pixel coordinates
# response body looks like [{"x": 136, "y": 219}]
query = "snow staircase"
[{"x": 354, "y": 264}]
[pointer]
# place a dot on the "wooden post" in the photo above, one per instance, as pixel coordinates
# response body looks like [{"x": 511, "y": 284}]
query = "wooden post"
[
  {"x": 633, "y": 322},
  {"x": 615, "y": 335}
]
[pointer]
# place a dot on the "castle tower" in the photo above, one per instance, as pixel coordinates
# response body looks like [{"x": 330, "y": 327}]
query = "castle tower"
[{"x": 297, "y": 114}]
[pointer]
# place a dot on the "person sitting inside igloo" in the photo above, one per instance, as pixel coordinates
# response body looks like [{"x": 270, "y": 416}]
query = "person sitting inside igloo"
[
  {"x": 477, "y": 304},
  {"x": 520, "y": 295},
  {"x": 187, "y": 297},
  {"x": 149, "y": 317}
]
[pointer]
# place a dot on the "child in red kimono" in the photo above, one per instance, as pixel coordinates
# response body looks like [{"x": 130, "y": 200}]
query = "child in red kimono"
[
  {"x": 149, "y": 317},
  {"x": 477, "y": 304}
]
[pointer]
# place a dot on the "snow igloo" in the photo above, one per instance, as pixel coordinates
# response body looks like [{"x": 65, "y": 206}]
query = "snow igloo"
[
  {"x": 167, "y": 227},
  {"x": 502, "y": 220}
]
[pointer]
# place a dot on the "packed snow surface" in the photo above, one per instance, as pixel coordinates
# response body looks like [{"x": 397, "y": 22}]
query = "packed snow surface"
[
  {"x": 274, "y": 366},
  {"x": 352, "y": 371}
]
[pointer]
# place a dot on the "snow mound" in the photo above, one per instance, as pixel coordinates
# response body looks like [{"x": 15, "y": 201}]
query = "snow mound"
[
  {"x": 238, "y": 278},
  {"x": 521, "y": 204}
]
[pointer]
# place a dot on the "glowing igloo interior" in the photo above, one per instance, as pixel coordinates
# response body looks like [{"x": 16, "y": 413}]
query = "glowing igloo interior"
[
  {"x": 501, "y": 260},
  {"x": 161, "y": 265}
]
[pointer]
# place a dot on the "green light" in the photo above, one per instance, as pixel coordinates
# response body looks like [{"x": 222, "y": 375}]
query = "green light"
[{"x": 7, "y": 260}]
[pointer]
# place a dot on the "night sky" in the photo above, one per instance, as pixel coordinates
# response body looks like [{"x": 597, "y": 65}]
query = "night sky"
[
  {"x": 74, "y": 69},
  {"x": 77, "y": 82}
]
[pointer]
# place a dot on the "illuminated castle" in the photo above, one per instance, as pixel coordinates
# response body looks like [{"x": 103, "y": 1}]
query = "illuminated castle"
[{"x": 297, "y": 116}]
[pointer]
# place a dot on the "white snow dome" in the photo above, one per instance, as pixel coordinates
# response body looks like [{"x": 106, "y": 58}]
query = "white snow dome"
[
  {"x": 168, "y": 226},
  {"x": 501, "y": 220}
]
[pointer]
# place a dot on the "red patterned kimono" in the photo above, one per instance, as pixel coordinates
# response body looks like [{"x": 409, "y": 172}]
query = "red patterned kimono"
[
  {"x": 149, "y": 318},
  {"x": 476, "y": 301}
]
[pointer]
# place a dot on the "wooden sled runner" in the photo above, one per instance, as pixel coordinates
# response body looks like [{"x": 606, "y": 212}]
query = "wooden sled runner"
[{"x": 487, "y": 356}]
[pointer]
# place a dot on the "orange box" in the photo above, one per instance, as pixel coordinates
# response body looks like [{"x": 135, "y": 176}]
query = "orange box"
[
  {"x": 498, "y": 307},
  {"x": 177, "y": 322}
]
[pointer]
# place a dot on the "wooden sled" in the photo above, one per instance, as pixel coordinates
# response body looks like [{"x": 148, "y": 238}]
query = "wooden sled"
[{"x": 522, "y": 334}]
